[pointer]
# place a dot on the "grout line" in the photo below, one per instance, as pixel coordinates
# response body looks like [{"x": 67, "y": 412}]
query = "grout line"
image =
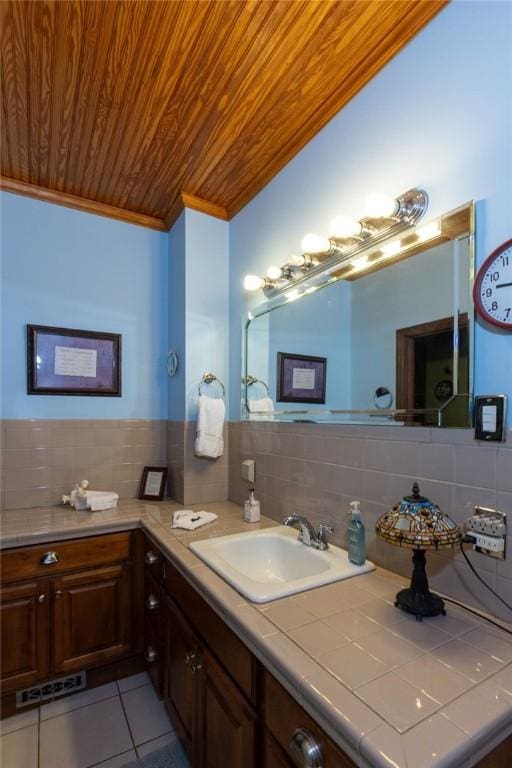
[
  {"x": 127, "y": 723},
  {"x": 124, "y": 752},
  {"x": 143, "y": 743},
  {"x": 75, "y": 709}
]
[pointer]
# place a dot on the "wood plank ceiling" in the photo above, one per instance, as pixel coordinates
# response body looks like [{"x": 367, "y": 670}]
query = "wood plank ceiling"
[{"x": 133, "y": 109}]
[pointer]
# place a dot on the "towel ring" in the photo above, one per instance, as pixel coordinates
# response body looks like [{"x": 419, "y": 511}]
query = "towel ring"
[
  {"x": 209, "y": 378},
  {"x": 251, "y": 380}
]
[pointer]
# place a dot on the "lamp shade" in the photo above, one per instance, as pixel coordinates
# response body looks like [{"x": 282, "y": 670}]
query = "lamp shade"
[{"x": 417, "y": 523}]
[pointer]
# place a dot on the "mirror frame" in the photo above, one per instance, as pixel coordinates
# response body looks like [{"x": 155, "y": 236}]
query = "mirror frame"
[{"x": 377, "y": 416}]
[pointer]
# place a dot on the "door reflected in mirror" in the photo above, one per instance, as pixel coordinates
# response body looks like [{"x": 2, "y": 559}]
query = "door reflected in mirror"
[{"x": 397, "y": 338}]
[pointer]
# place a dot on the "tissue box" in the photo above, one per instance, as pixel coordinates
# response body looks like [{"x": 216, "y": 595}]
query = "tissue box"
[{"x": 98, "y": 500}]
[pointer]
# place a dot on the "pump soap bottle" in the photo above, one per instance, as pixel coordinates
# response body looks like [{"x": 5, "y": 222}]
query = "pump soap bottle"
[
  {"x": 252, "y": 512},
  {"x": 356, "y": 536}
]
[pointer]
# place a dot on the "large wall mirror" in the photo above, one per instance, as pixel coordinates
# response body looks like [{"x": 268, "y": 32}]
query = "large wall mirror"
[{"x": 385, "y": 339}]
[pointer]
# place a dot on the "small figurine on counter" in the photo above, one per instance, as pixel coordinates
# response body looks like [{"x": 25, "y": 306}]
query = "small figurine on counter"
[
  {"x": 92, "y": 501},
  {"x": 78, "y": 496}
]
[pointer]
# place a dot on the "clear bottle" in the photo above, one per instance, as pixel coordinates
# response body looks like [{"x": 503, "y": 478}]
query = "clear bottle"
[
  {"x": 356, "y": 536},
  {"x": 252, "y": 512}
]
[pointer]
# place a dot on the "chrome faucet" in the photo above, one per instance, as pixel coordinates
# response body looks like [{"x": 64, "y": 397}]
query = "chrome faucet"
[{"x": 307, "y": 533}]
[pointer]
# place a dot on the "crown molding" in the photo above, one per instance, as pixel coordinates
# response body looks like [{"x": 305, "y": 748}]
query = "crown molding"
[
  {"x": 204, "y": 206},
  {"x": 81, "y": 203}
]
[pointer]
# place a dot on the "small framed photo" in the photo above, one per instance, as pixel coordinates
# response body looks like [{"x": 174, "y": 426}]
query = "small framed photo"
[
  {"x": 66, "y": 361},
  {"x": 300, "y": 378},
  {"x": 152, "y": 485}
]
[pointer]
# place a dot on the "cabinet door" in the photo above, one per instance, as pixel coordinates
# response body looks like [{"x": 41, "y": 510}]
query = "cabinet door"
[
  {"x": 91, "y": 617},
  {"x": 183, "y": 673},
  {"x": 227, "y": 723},
  {"x": 24, "y": 631},
  {"x": 274, "y": 755}
]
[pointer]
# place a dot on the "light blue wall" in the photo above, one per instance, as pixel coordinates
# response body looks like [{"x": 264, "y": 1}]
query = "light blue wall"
[
  {"x": 199, "y": 308},
  {"x": 67, "y": 268},
  {"x": 207, "y": 304},
  {"x": 438, "y": 116},
  {"x": 177, "y": 254}
]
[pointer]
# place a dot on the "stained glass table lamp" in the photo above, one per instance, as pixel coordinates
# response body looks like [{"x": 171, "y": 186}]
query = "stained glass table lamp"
[{"x": 418, "y": 524}]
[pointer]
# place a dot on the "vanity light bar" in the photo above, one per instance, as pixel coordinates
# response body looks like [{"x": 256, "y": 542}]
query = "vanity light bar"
[{"x": 350, "y": 242}]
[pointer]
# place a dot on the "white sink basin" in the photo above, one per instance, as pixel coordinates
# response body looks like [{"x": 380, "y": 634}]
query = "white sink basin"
[{"x": 272, "y": 563}]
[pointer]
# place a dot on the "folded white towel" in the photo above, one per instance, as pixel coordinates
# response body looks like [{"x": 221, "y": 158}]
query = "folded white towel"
[
  {"x": 262, "y": 409},
  {"x": 264, "y": 404},
  {"x": 210, "y": 427},
  {"x": 186, "y": 518}
]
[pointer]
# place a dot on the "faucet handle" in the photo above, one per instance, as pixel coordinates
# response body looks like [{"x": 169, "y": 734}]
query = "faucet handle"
[{"x": 323, "y": 530}]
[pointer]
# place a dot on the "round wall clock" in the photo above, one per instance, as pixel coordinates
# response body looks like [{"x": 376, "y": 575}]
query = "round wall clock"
[{"x": 492, "y": 292}]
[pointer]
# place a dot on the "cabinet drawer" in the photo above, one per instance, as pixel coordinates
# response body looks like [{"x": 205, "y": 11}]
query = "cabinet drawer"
[
  {"x": 283, "y": 717},
  {"x": 56, "y": 557},
  {"x": 230, "y": 651}
]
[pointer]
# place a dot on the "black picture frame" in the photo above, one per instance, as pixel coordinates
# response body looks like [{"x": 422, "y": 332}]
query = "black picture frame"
[
  {"x": 149, "y": 483},
  {"x": 308, "y": 370},
  {"x": 68, "y": 361}
]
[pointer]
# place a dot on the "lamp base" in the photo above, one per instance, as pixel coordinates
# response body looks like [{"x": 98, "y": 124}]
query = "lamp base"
[{"x": 418, "y": 599}]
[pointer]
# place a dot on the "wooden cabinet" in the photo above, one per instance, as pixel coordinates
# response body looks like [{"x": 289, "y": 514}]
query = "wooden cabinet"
[
  {"x": 227, "y": 720},
  {"x": 78, "y": 615},
  {"x": 212, "y": 716},
  {"x": 183, "y": 666},
  {"x": 91, "y": 622},
  {"x": 293, "y": 730},
  {"x": 24, "y": 610}
]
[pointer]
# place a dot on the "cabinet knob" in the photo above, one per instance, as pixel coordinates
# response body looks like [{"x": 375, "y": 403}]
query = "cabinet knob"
[
  {"x": 41, "y": 598},
  {"x": 49, "y": 558},
  {"x": 150, "y": 654},
  {"x": 150, "y": 557},
  {"x": 305, "y": 747},
  {"x": 190, "y": 661},
  {"x": 58, "y": 594},
  {"x": 152, "y": 603}
]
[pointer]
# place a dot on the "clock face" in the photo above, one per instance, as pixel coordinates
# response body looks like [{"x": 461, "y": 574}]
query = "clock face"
[{"x": 492, "y": 292}]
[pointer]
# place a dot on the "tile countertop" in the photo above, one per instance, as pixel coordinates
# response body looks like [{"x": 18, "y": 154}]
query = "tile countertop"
[{"x": 392, "y": 692}]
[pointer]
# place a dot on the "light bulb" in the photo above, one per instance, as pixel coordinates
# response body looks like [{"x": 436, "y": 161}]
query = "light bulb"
[
  {"x": 391, "y": 249},
  {"x": 297, "y": 261},
  {"x": 313, "y": 243},
  {"x": 342, "y": 226},
  {"x": 360, "y": 262},
  {"x": 253, "y": 282},
  {"x": 380, "y": 206},
  {"x": 428, "y": 231},
  {"x": 274, "y": 273}
]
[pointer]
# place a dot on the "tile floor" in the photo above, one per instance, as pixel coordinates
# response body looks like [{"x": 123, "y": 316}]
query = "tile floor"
[{"x": 104, "y": 727}]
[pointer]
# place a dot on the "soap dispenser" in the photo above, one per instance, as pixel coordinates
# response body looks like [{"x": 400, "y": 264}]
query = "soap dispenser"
[
  {"x": 356, "y": 536},
  {"x": 252, "y": 512}
]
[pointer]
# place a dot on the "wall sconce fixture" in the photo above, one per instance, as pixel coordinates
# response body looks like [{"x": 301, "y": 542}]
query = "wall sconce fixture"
[{"x": 349, "y": 241}]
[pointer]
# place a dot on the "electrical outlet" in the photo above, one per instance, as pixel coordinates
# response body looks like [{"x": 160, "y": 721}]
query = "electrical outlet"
[
  {"x": 494, "y": 544},
  {"x": 248, "y": 467},
  {"x": 488, "y": 521},
  {"x": 488, "y": 529}
]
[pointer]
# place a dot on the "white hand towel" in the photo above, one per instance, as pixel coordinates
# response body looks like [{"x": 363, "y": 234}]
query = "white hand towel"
[
  {"x": 259, "y": 409},
  {"x": 210, "y": 427},
  {"x": 186, "y": 518}
]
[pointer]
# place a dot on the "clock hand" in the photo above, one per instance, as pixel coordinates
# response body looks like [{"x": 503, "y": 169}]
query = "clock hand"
[{"x": 503, "y": 285}]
